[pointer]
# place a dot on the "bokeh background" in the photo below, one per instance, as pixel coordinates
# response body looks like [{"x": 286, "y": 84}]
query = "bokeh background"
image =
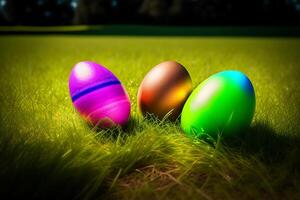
[{"x": 153, "y": 12}]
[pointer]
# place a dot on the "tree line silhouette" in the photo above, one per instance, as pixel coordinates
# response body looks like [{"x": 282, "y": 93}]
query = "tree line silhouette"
[{"x": 158, "y": 12}]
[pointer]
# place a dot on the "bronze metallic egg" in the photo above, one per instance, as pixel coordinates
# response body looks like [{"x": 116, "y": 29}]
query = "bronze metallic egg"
[{"x": 164, "y": 90}]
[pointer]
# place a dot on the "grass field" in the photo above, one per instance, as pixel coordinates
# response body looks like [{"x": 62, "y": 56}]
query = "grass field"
[{"x": 47, "y": 151}]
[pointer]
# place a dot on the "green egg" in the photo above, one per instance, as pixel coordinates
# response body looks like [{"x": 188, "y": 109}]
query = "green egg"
[{"x": 223, "y": 104}]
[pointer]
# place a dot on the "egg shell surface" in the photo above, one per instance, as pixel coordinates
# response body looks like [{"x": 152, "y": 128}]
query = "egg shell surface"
[
  {"x": 164, "y": 90},
  {"x": 222, "y": 104},
  {"x": 98, "y": 95}
]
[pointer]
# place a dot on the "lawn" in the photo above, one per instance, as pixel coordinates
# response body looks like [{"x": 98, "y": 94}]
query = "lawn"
[{"x": 48, "y": 151}]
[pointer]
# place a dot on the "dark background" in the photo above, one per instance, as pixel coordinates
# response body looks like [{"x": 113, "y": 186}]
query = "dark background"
[{"x": 152, "y": 12}]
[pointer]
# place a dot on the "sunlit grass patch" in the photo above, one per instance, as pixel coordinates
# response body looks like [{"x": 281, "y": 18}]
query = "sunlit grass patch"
[{"x": 48, "y": 151}]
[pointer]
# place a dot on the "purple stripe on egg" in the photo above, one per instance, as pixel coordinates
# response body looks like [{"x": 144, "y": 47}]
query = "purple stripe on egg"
[
  {"x": 99, "y": 98},
  {"x": 92, "y": 89}
]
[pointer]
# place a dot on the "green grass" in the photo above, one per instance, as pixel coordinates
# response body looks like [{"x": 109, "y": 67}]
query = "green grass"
[{"x": 47, "y": 150}]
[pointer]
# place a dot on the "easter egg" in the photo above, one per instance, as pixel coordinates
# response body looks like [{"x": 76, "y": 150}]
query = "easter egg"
[
  {"x": 223, "y": 104},
  {"x": 98, "y": 95},
  {"x": 164, "y": 90}
]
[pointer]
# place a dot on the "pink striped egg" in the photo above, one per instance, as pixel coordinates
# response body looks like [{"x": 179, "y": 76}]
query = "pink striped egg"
[{"x": 98, "y": 95}]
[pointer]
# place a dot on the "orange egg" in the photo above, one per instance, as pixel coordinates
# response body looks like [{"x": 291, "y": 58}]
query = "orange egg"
[{"x": 164, "y": 90}]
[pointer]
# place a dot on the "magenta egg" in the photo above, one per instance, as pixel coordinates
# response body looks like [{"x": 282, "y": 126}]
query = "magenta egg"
[{"x": 98, "y": 95}]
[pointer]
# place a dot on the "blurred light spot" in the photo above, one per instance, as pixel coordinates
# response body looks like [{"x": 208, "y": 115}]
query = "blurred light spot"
[
  {"x": 114, "y": 3},
  {"x": 207, "y": 91},
  {"x": 2, "y": 3},
  {"x": 74, "y": 4},
  {"x": 83, "y": 71},
  {"x": 157, "y": 74}
]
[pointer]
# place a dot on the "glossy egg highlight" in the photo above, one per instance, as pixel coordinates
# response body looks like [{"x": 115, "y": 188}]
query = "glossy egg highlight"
[
  {"x": 98, "y": 95},
  {"x": 164, "y": 90},
  {"x": 223, "y": 104}
]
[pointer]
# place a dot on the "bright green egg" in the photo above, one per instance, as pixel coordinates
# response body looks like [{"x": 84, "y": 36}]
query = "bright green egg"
[{"x": 223, "y": 104}]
